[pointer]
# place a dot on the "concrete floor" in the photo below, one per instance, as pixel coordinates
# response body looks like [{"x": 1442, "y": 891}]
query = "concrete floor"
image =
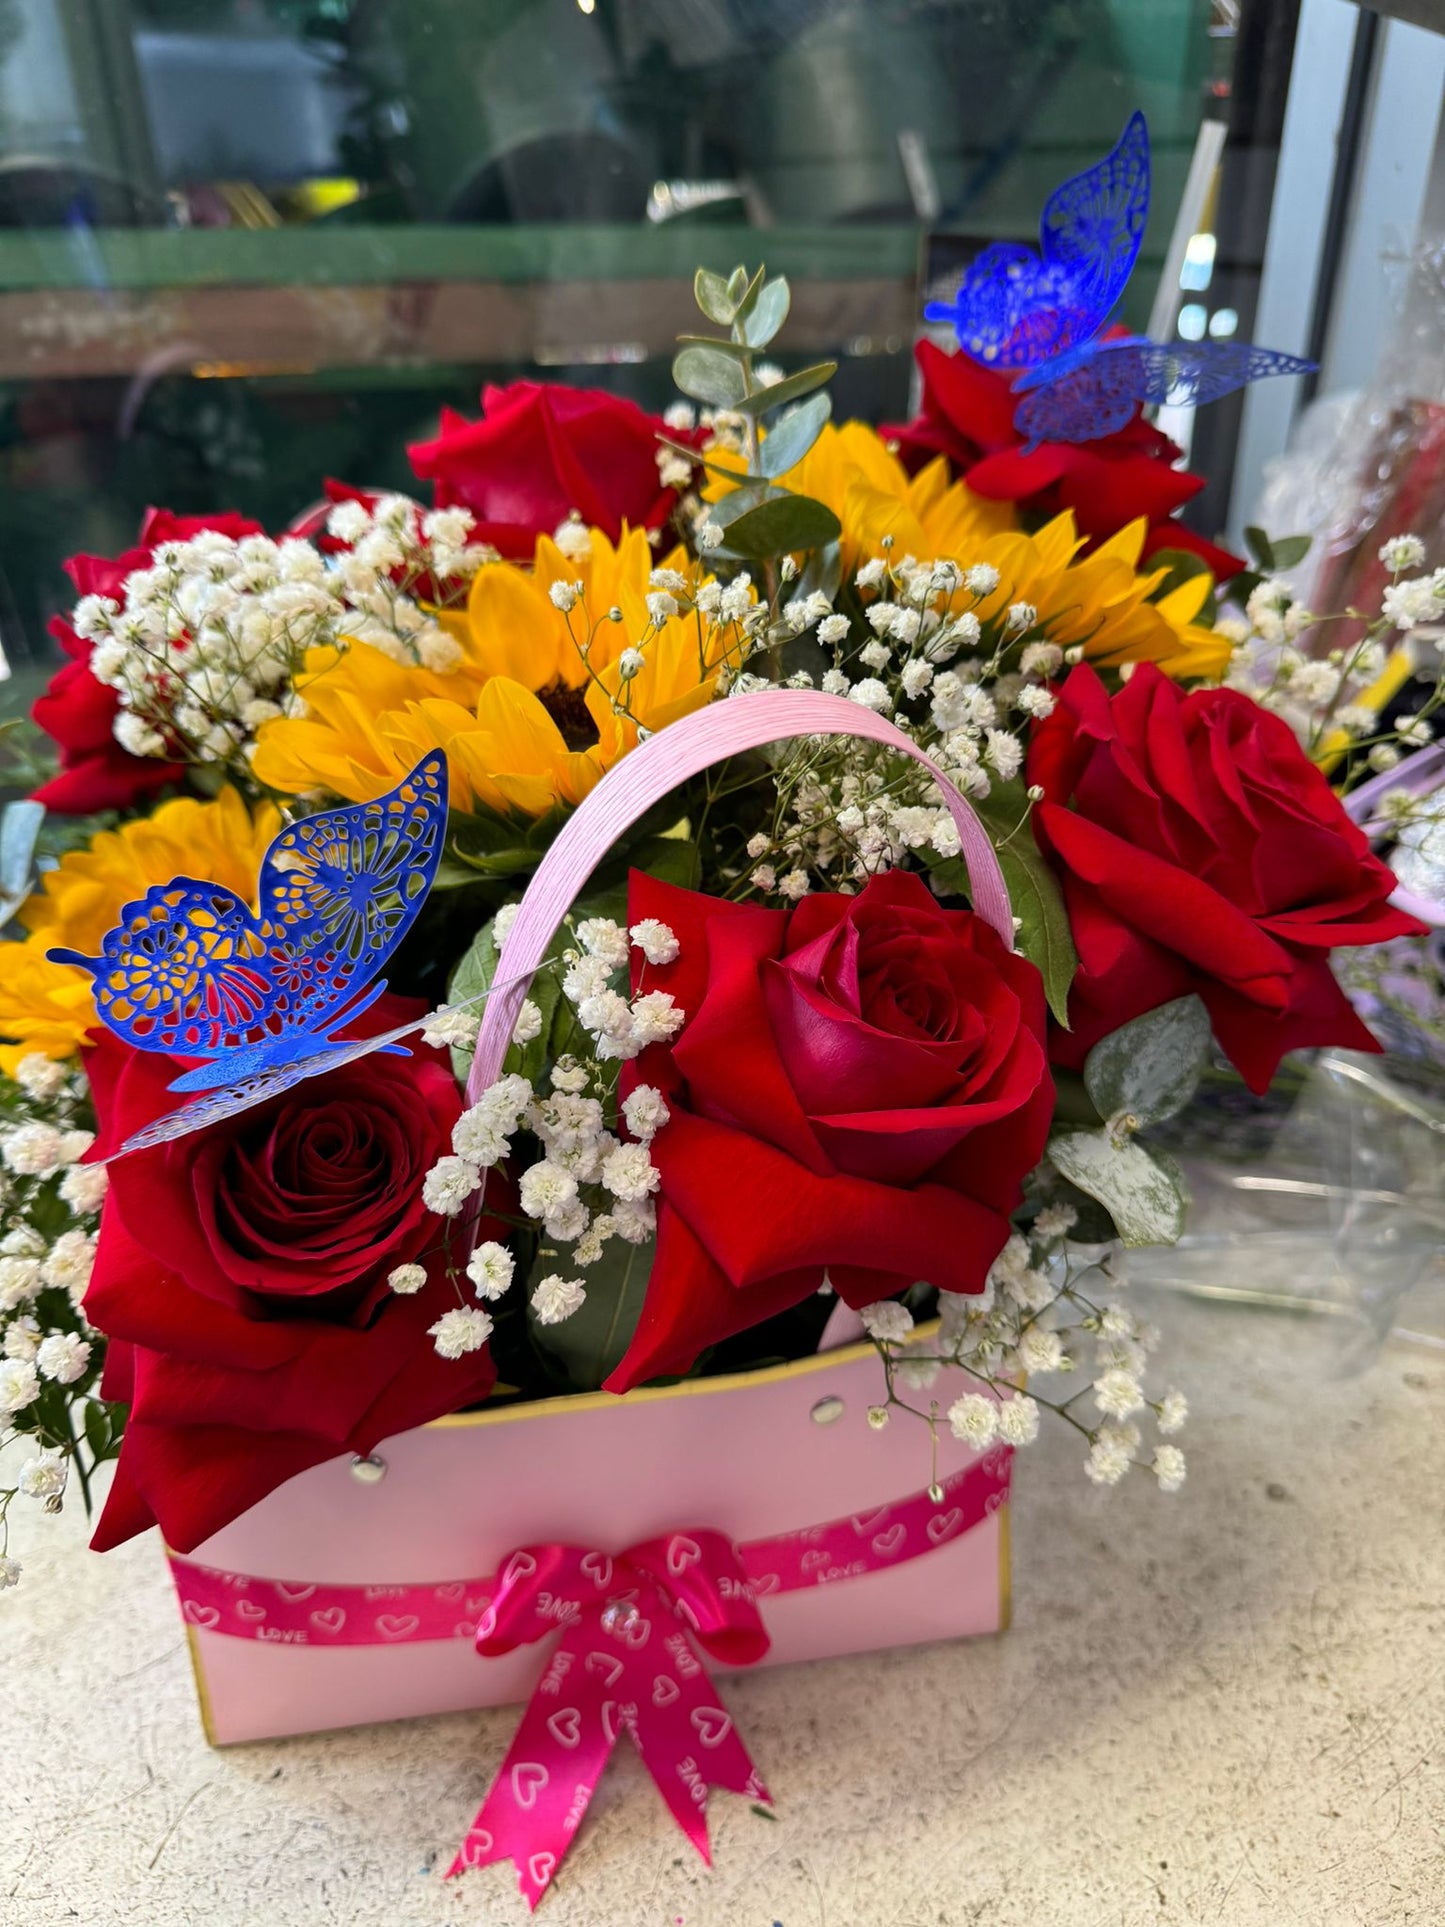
[{"x": 1226, "y": 1707}]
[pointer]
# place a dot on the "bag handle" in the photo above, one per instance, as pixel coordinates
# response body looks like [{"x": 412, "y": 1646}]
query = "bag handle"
[{"x": 681, "y": 750}]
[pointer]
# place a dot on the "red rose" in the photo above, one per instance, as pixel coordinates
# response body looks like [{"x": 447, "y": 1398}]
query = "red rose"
[
  {"x": 542, "y": 450},
  {"x": 241, "y": 1277},
  {"x": 967, "y": 414},
  {"x": 861, "y": 1085},
  {"x": 79, "y": 712},
  {"x": 1200, "y": 850}
]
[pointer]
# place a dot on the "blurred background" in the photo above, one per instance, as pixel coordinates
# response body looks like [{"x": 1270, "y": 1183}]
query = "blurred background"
[{"x": 247, "y": 243}]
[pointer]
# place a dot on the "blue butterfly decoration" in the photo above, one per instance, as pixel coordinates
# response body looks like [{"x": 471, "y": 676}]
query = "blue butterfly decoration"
[
  {"x": 193, "y": 971},
  {"x": 1040, "y": 313}
]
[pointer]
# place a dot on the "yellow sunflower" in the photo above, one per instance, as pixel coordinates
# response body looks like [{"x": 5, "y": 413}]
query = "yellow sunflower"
[
  {"x": 851, "y": 469},
  {"x": 48, "y": 1007},
  {"x": 538, "y": 708},
  {"x": 1099, "y": 600}
]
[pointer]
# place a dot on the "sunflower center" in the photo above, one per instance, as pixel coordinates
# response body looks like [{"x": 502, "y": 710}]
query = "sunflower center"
[{"x": 568, "y": 710}]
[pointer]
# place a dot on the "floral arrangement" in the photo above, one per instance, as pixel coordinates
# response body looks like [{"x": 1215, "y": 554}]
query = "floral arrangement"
[{"x": 775, "y": 995}]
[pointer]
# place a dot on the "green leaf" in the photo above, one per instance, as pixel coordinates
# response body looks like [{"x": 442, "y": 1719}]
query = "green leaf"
[
  {"x": 1260, "y": 548},
  {"x": 1291, "y": 549},
  {"x": 1150, "y": 1068},
  {"x": 1043, "y": 934},
  {"x": 741, "y": 501},
  {"x": 737, "y": 286},
  {"x": 780, "y": 525},
  {"x": 747, "y": 300},
  {"x": 590, "y": 1344},
  {"x": 737, "y": 350},
  {"x": 710, "y": 291},
  {"x": 1142, "y": 1190},
  {"x": 824, "y": 572},
  {"x": 792, "y": 388},
  {"x": 476, "y": 967},
  {"x": 20, "y": 824},
  {"x": 793, "y": 434},
  {"x": 709, "y": 375},
  {"x": 768, "y": 313}
]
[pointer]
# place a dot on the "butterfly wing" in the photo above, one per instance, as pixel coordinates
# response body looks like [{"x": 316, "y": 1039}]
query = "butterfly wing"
[
  {"x": 263, "y": 1083},
  {"x": 1096, "y": 390},
  {"x": 1092, "y": 226},
  {"x": 1187, "y": 374},
  {"x": 1016, "y": 308},
  {"x": 188, "y": 969},
  {"x": 344, "y": 887}
]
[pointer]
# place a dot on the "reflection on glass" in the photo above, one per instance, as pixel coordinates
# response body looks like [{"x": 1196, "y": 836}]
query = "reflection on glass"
[{"x": 244, "y": 240}]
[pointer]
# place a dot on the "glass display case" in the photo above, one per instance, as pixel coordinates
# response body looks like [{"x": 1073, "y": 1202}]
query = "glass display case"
[{"x": 247, "y": 241}]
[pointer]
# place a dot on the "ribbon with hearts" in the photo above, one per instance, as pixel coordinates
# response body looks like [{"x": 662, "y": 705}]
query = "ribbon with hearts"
[
  {"x": 625, "y": 1663},
  {"x": 626, "y": 1660}
]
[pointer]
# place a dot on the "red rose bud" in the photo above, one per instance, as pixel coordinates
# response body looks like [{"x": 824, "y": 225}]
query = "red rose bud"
[
  {"x": 860, "y": 1087},
  {"x": 1201, "y": 851},
  {"x": 241, "y": 1277},
  {"x": 541, "y": 451},
  {"x": 78, "y": 712},
  {"x": 967, "y": 414}
]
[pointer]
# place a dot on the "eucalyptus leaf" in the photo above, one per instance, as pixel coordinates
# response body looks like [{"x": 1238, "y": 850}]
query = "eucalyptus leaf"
[
  {"x": 1142, "y": 1190},
  {"x": 793, "y": 434},
  {"x": 780, "y": 525},
  {"x": 737, "y": 286},
  {"x": 767, "y": 314},
  {"x": 736, "y": 350},
  {"x": 747, "y": 300},
  {"x": 1260, "y": 548},
  {"x": 791, "y": 388},
  {"x": 710, "y": 291},
  {"x": 742, "y": 501},
  {"x": 590, "y": 1344},
  {"x": 20, "y": 823},
  {"x": 1150, "y": 1068},
  {"x": 709, "y": 375},
  {"x": 1290, "y": 550}
]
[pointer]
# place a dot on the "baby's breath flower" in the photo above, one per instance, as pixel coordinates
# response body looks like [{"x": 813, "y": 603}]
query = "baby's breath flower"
[
  {"x": 887, "y": 1321},
  {"x": 528, "y": 1026},
  {"x": 655, "y": 940},
  {"x": 19, "y": 1384},
  {"x": 1402, "y": 552},
  {"x": 407, "y": 1279},
  {"x": 448, "y": 1185},
  {"x": 556, "y": 1298},
  {"x": 1169, "y": 1468},
  {"x": 645, "y": 1112},
  {"x": 1173, "y": 1411},
  {"x": 43, "y": 1477},
  {"x": 974, "y": 1419},
  {"x": 605, "y": 940},
  {"x": 40, "y": 1076},
  {"x": 1109, "y": 1455},
  {"x": 491, "y": 1268},
  {"x": 62, "y": 1357},
  {"x": 1018, "y": 1420},
  {"x": 466, "y": 1329}
]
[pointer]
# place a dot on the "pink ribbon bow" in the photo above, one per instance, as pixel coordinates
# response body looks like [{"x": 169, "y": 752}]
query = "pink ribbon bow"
[{"x": 625, "y": 1664}]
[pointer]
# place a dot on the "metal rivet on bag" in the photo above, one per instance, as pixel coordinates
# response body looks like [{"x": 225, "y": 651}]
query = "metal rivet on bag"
[
  {"x": 370, "y": 1470},
  {"x": 827, "y": 1409}
]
